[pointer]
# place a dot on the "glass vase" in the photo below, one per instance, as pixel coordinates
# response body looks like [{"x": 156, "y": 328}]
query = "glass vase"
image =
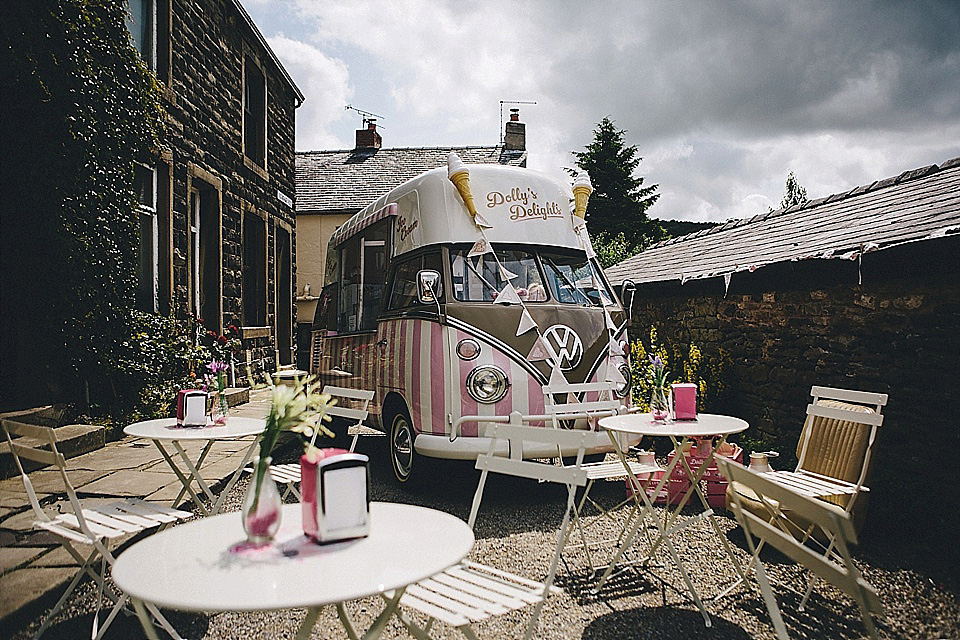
[
  {"x": 660, "y": 404},
  {"x": 219, "y": 408},
  {"x": 261, "y": 507}
]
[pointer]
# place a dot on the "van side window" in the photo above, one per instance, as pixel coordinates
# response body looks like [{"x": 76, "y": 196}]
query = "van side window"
[{"x": 363, "y": 269}]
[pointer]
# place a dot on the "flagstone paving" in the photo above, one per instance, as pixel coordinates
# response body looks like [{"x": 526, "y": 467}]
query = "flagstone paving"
[{"x": 33, "y": 565}]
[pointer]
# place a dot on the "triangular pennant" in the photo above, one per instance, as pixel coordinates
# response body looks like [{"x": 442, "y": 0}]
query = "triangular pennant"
[
  {"x": 726, "y": 284},
  {"x": 615, "y": 349},
  {"x": 585, "y": 241},
  {"x": 508, "y": 295},
  {"x": 611, "y": 325},
  {"x": 557, "y": 377},
  {"x": 605, "y": 299},
  {"x": 479, "y": 248},
  {"x": 526, "y": 322},
  {"x": 613, "y": 375},
  {"x": 540, "y": 351},
  {"x": 481, "y": 222},
  {"x": 506, "y": 275}
]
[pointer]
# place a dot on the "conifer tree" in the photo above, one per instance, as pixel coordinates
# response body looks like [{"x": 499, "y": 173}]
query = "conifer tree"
[{"x": 620, "y": 201}]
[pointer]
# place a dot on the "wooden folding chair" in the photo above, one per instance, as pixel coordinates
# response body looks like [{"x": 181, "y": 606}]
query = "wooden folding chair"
[
  {"x": 834, "y": 459},
  {"x": 471, "y": 593},
  {"x": 591, "y": 401},
  {"x": 96, "y": 526},
  {"x": 834, "y": 565},
  {"x": 351, "y": 407}
]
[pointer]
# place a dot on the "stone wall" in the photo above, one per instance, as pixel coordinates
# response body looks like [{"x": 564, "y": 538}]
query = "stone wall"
[
  {"x": 204, "y": 100},
  {"x": 787, "y": 327}
]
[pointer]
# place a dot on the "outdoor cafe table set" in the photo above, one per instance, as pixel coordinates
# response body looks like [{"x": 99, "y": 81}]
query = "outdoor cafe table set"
[{"x": 332, "y": 548}]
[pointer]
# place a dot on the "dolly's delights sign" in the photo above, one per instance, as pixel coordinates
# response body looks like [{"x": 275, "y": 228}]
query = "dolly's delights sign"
[{"x": 523, "y": 204}]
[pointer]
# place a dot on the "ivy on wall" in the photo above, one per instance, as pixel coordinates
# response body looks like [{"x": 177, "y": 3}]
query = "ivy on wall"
[{"x": 80, "y": 109}]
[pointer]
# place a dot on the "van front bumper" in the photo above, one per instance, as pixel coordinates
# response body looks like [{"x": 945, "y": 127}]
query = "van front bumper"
[{"x": 469, "y": 448}]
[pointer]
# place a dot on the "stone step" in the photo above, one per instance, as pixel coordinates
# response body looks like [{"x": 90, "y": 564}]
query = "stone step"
[
  {"x": 72, "y": 440},
  {"x": 237, "y": 396}
]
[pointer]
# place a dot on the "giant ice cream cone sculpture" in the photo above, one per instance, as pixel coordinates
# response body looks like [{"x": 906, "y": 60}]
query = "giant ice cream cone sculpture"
[
  {"x": 581, "y": 194},
  {"x": 460, "y": 177}
]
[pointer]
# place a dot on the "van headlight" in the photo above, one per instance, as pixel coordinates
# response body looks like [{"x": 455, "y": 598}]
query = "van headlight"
[
  {"x": 487, "y": 384},
  {"x": 624, "y": 390}
]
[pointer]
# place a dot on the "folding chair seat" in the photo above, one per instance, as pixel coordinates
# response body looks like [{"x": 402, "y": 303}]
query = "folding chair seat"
[
  {"x": 351, "y": 408},
  {"x": 97, "y": 527},
  {"x": 470, "y": 593},
  {"x": 832, "y": 563},
  {"x": 591, "y": 401}
]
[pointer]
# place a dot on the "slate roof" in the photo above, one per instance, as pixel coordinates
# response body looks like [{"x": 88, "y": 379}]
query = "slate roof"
[
  {"x": 916, "y": 205},
  {"x": 346, "y": 181}
]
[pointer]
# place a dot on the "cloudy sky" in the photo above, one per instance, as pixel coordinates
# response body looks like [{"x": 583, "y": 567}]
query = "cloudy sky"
[{"x": 722, "y": 99}]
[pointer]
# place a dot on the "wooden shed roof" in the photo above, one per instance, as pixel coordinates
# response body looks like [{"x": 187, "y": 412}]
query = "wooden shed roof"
[{"x": 916, "y": 205}]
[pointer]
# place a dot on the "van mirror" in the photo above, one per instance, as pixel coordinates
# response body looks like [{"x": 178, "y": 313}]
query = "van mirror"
[
  {"x": 428, "y": 285},
  {"x": 628, "y": 288}
]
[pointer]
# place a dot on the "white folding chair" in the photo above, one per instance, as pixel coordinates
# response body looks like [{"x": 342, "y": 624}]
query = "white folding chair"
[
  {"x": 470, "y": 593},
  {"x": 591, "y": 401},
  {"x": 834, "y": 565},
  {"x": 352, "y": 407},
  {"x": 834, "y": 455},
  {"x": 97, "y": 526}
]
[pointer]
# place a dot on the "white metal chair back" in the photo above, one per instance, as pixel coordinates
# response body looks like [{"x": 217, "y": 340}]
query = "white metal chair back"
[
  {"x": 288, "y": 474},
  {"x": 97, "y": 526},
  {"x": 471, "y": 592},
  {"x": 835, "y": 565},
  {"x": 591, "y": 400}
]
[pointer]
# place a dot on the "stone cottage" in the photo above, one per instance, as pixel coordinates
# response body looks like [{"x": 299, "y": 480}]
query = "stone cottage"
[
  {"x": 334, "y": 185},
  {"x": 858, "y": 290},
  {"x": 217, "y": 208}
]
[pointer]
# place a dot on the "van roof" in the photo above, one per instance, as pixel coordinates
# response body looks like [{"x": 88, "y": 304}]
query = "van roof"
[{"x": 522, "y": 205}]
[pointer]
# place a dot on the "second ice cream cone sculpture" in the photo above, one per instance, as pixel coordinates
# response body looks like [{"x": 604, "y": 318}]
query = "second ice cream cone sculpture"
[
  {"x": 581, "y": 194},
  {"x": 460, "y": 177}
]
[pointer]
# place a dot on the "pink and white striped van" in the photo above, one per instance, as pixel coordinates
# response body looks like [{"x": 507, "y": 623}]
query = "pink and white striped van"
[{"x": 410, "y": 309}]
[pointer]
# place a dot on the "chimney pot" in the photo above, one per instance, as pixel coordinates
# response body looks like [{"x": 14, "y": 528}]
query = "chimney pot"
[
  {"x": 514, "y": 115},
  {"x": 369, "y": 138}
]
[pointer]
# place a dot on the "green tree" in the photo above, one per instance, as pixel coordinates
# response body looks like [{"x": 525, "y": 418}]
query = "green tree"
[
  {"x": 793, "y": 193},
  {"x": 620, "y": 201},
  {"x": 81, "y": 109}
]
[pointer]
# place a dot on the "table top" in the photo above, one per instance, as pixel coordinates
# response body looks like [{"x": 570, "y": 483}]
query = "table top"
[
  {"x": 167, "y": 429},
  {"x": 706, "y": 424},
  {"x": 204, "y": 566}
]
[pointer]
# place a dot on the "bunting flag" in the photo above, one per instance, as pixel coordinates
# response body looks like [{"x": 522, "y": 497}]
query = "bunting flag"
[
  {"x": 506, "y": 275},
  {"x": 611, "y": 325},
  {"x": 479, "y": 248},
  {"x": 557, "y": 377},
  {"x": 526, "y": 322},
  {"x": 482, "y": 222},
  {"x": 508, "y": 295},
  {"x": 613, "y": 375},
  {"x": 605, "y": 299},
  {"x": 585, "y": 241},
  {"x": 726, "y": 283},
  {"x": 540, "y": 351},
  {"x": 614, "y": 349}
]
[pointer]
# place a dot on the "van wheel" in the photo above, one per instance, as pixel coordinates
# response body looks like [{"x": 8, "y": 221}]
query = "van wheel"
[{"x": 401, "y": 446}]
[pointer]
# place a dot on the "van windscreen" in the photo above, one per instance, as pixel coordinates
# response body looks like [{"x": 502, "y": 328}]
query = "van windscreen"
[
  {"x": 574, "y": 280},
  {"x": 479, "y": 279}
]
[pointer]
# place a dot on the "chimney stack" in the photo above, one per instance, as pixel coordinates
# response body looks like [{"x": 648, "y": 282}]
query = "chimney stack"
[
  {"x": 369, "y": 138},
  {"x": 515, "y": 133}
]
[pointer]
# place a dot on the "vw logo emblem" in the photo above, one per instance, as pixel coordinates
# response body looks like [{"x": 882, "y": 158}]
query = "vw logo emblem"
[{"x": 565, "y": 345}]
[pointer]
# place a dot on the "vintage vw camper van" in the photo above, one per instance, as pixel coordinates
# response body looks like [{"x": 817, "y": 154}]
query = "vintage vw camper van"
[{"x": 456, "y": 297}]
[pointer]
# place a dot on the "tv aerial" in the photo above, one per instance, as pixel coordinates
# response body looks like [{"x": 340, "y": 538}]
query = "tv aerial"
[{"x": 367, "y": 115}]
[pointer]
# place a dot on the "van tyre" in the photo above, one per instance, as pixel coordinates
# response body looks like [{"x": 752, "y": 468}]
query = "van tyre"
[{"x": 401, "y": 446}]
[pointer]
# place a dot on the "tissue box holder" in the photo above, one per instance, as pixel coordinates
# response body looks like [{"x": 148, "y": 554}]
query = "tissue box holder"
[
  {"x": 684, "y": 401},
  {"x": 192, "y": 408},
  {"x": 335, "y": 494}
]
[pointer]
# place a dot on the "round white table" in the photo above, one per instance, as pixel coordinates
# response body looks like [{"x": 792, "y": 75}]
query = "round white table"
[
  {"x": 707, "y": 425},
  {"x": 166, "y": 430},
  {"x": 205, "y": 565}
]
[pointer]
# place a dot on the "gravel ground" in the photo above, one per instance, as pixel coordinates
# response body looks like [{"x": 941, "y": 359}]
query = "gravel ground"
[{"x": 516, "y": 531}]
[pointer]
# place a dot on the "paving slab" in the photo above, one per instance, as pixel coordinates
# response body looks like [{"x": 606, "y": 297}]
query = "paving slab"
[
  {"x": 17, "y": 557},
  {"x": 48, "y": 482},
  {"x": 54, "y": 557},
  {"x": 25, "y": 586},
  {"x": 13, "y": 495},
  {"x": 114, "y": 457},
  {"x": 128, "y": 483}
]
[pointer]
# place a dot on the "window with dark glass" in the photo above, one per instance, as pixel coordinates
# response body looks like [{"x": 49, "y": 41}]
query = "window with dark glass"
[
  {"x": 403, "y": 292},
  {"x": 480, "y": 278},
  {"x": 144, "y": 185},
  {"x": 254, "y": 112},
  {"x": 254, "y": 270},
  {"x": 141, "y": 18},
  {"x": 363, "y": 271}
]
